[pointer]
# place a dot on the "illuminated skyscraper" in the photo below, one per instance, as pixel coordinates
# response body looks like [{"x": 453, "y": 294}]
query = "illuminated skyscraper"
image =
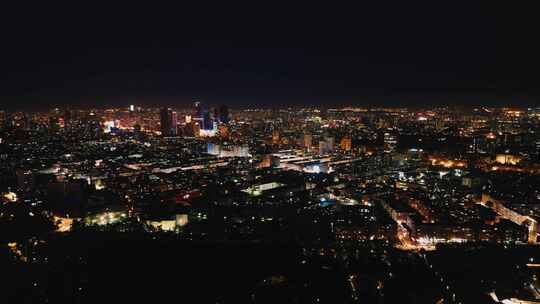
[{"x": 198, "y": 113}]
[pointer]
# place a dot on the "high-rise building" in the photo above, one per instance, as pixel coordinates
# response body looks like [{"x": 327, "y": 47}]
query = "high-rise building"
[
  {"x": 197, "y": 115},
  {"x": 166, "y": 121},
  {"x": 202, "y": 115},
  {"x": 208, "y": 122},
  {"x": 174, "y": 123},
  {"x": 197, "y": 109},
  {"x": 223, "y": 114}
]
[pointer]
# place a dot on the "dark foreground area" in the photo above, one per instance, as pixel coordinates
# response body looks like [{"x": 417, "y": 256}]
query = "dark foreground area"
[
  {"x": 108, "y": 269},
  {"x": 113, "y": 268}
]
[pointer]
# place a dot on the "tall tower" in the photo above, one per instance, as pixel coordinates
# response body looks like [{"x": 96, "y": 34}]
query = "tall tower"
[
  {"x": 208, "y": 122},
  {"x": 197, "y": 108},
  {"x": 174, "y": 123},
  {"x": 223, "y": 114},
  {"x": 166, "y": 121},
  {"x": 198, "y": 113}
]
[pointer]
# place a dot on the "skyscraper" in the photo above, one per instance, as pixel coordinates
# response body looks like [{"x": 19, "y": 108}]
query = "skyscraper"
[
  {"x": 166, "y": 121},
  {"x": 174, "y": 123},
  {"x": 198, "y": 113},
  {"x": 197, "y": 109},
  {"x": 223, "y": 114},
  {"x": 208, "y": 122}
]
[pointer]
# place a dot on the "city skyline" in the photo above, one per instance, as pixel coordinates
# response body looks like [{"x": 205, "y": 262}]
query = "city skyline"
[
  {"x": 380, "y": 199},
  {"x": 384, "y": 152}
]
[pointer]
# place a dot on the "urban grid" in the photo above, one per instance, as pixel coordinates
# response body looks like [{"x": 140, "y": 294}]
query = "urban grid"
[{"x": 357, "y": 200}]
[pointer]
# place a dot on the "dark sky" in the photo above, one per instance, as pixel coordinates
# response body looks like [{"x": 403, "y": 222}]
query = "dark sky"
[{"x": 264, "y": 54}]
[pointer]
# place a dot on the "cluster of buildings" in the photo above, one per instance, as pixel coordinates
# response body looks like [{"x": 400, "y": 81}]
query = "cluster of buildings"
[
  {"x": 423, "y": 173},
  {"x": 334, "y": 181},
  {"x": 202, "y": 121}
]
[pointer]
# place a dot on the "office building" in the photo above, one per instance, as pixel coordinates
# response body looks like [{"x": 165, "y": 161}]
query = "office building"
[{"x": 166, "y": 122}]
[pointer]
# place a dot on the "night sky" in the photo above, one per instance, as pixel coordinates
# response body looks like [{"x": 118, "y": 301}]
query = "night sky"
[{"x": 392, "y": 53}]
